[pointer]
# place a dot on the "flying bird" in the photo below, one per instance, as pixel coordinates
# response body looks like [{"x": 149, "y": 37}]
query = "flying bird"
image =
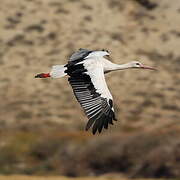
[{"x": 85, "y": 70}]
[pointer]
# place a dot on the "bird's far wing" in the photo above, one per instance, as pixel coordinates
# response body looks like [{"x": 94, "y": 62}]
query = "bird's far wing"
[
  {"x": 92, "y": 93},
  {"x": 80, "y": 54}
]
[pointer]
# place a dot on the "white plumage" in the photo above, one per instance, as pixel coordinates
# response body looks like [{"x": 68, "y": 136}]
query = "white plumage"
[
  {"x": 57, "y": 71},
  {"x": 86, "y": 70}
]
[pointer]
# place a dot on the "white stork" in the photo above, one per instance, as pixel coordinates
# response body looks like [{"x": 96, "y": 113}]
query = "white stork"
[{"x": 86, "y": 70}]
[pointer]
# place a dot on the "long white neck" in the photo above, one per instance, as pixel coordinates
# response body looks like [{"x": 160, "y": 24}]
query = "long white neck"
[
  {"x": 109, "y": 66},
  {"x": 120, "y": 66}
]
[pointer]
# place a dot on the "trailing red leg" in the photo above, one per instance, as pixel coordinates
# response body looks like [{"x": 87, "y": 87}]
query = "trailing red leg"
[{"x": 43, "y": 75}]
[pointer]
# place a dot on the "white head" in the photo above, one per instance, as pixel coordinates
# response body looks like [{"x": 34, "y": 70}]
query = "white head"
[{"x": 137, "y": 64}]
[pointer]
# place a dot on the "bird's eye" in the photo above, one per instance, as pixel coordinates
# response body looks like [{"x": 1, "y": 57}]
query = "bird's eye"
[
  {"x": 137, "y": 64},
  {"x": 105, "y": 50}
]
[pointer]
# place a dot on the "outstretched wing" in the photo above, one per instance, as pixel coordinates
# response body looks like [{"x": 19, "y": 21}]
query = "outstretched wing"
[
  {"x": 83, "y": 54},
  {"x": 80, "y": 54},
  {"x": 90, "y": 89}
]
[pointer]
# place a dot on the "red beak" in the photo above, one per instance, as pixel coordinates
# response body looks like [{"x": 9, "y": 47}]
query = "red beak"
[{"x": 148, "y": 67}]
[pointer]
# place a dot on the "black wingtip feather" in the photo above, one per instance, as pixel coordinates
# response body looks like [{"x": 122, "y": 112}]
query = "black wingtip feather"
[
  {"x": 106, "y": 124},
  {"x": 98, "y": 124},
  {"x": 95, "y": 127},
  {"x": 101, "y": 123},
  {"x": 89, "y": 124},
  {"x": 92, "y": 120},
  {"x": 114, "y": 117}
]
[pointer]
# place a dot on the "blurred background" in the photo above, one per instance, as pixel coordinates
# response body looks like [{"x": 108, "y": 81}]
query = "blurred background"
[{"x": 41, "y": 123}]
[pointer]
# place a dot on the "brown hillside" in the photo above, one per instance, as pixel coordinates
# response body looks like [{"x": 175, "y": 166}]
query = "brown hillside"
[{"x": 36, "y": 34}]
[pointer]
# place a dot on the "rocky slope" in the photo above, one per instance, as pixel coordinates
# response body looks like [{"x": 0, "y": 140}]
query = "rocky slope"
[{"x": 36, "y": 34}]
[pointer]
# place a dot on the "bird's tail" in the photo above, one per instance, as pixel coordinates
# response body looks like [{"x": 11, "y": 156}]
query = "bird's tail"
[{"x": 58, "y": 71}]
